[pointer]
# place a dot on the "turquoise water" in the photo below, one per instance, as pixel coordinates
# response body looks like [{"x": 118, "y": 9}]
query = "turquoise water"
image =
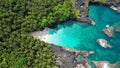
[{"x": 82, "y": 36}]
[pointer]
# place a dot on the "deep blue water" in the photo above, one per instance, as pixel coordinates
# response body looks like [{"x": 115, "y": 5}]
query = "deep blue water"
[{"x": 82, "y": 36}]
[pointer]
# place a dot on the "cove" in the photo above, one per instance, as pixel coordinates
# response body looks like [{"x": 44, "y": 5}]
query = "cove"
[{"x": 82, "y": 36}]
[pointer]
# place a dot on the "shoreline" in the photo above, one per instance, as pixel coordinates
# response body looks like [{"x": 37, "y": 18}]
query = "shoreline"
[
  {"x": 65, "y": 57},
  {"x": 62, "y": 54},
  {"x": 42, "y": 35}
]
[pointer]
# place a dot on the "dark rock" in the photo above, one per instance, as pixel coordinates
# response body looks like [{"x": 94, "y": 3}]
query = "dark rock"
[
  {"x": 64, "y": 58},
  {"x": 113, "y": 2},
  {"x": 82, "y": 5},
  {"x": 84, "y": 20},
  {"x": 68, "y": 58}
]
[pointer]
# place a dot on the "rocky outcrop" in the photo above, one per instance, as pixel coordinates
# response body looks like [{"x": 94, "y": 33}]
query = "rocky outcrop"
[
  {"x": 86, "y": 54},
  {"x": 82, "y": 5},
  {"x": 109, "y": 31},
  {"x": 104, "y": 43},
  {"x": 106, "y": 64},
  {"x": 115, "y": 3},
  {"x": 101, "y": 64},
  {"x": 64, "y": 58},
  {"x": 70, "y": 58},
  {"x": 86, "y": 20}
]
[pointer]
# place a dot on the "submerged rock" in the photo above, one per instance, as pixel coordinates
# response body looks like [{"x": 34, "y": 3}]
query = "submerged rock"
[
  {"x": 117, "y": 27},
  {"x": 115, "y": 65},
  {"x": 113, "y": 7},
  {"x": 101, "y": 64},
  {"x": 109, "y": 31},
  {"x": 92, "y": 22},
  {"x": 80, "y": 59},
  {"x": 104, "y": 43},
  {"x": 86, "y": 53}
]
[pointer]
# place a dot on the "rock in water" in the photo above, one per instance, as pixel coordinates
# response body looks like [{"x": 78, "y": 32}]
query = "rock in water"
[
  {"x": 91, "y": 52},
  {"x": 104, "y": 43},
  {"x": 113, "y": 7},
  {"x": 101, "y": 64},
  {"x": 109, "y": 31}
]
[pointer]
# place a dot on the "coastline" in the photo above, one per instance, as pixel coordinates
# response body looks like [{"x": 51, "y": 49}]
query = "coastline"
[
  {"x": 65, "y": 57},
  {"x": 62, "y": 53}
]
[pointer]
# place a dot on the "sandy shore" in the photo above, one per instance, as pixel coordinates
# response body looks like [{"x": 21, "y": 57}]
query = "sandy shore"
[{"x": 42, "y": 35}]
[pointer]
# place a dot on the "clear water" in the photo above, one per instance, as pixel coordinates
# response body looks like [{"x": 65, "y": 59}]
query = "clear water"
[{"x": 82, "y": 36}]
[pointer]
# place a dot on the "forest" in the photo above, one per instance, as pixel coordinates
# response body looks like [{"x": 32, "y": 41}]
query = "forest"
[{"x": 18, "y": 49}]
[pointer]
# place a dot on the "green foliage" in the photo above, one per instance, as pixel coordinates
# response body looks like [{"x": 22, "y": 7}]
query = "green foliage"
[
  {"x": 101, "y": 1},
  {"x": 20, "y": 17},
  {"x": 72, "y": 2},
  {"x": 77, "y": 13},
  {"x": 62, "y": 11}
]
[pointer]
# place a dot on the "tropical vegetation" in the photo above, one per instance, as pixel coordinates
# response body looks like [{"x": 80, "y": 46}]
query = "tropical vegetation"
[{"x": 18, "y": 49}]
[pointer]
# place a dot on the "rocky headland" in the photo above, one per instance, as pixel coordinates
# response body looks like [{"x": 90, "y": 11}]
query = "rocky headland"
[{"x": 82, "y": 5}]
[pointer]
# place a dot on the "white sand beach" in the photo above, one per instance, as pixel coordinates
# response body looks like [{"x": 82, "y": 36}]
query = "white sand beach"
[{"x": 42, "y": 35}]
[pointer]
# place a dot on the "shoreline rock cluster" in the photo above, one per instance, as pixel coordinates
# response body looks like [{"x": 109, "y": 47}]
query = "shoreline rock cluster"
[
  {"x": 83, "y": 5},
  {"x": 69, "y": 58}
]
